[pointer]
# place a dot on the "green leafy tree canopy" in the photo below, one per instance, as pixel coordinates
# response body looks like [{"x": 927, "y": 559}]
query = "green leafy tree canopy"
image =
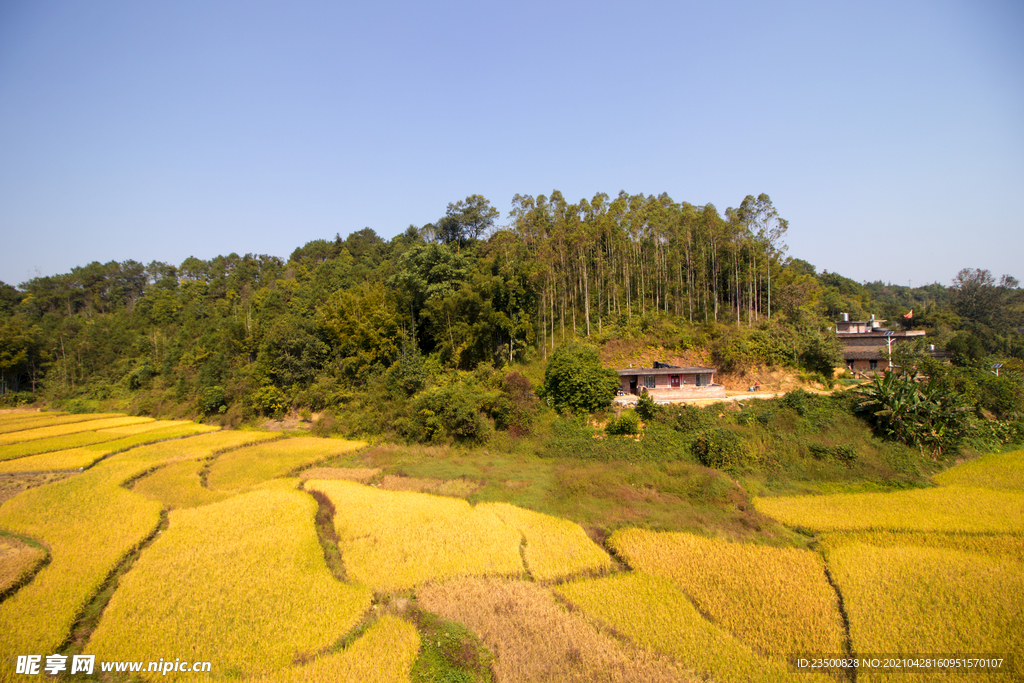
[{"x": 576, "y": 380}]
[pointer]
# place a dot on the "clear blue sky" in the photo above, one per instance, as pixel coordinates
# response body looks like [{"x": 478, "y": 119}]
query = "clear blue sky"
[{"x": 890, "y": 135}]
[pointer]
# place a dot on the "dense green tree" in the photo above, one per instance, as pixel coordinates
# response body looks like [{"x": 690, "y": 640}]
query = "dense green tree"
[
  {"x": 362, "y": 326},
  {"x": 821, "y": 352},
  {"x": 467, "y": 220},
  {"x": 577, "y": 381},
  {"x": 290, "y": 353},
  {"x": 21, "y": 356},
  {"x": 9, "y": 299}
]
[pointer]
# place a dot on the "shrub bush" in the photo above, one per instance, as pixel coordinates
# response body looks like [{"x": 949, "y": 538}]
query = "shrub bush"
[
  {"x": 646, "y": 408},
  {"x": 451, "y": 412},
  {"x": 211, "y": 400},
  {"x": 17, "y": 398},
  {"x": 720, "y": 448},
  {"x": 572, "y": 438},
  {"x": 685, "y": 418},
  {"x": 516, "y": 408},
  {"x": 628, "y": 423},
  {"x": 844, "y": 454},
  {"x": 269, "y": 401}
]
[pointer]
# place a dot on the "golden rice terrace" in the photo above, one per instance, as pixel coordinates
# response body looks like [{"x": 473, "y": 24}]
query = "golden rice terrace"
[{"x": 158, "y": 546}]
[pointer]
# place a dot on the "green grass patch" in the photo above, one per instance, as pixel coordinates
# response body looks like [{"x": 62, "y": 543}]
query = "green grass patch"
[{"x": 449, "y": 652}]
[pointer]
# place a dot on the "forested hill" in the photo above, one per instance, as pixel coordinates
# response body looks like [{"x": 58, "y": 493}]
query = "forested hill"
[{"x": 343, "y": 320}]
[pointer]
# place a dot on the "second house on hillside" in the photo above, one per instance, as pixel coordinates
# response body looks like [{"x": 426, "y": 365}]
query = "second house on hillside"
[
  {"x": 868, "y": 344},
  {"x": 666, "y": 382}
]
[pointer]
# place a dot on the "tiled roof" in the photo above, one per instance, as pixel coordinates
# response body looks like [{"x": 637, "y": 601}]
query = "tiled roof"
[
  {"x": 882, "y": 333},
  {"x": 665, "y": 371},
  {"x": 866, "y": 353}
]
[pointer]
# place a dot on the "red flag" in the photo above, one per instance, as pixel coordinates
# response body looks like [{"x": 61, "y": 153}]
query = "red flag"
[{"x": 909, "y": 315}]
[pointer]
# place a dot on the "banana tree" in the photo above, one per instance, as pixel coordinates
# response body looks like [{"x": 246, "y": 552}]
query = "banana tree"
[{"x": 923, "y": 414}]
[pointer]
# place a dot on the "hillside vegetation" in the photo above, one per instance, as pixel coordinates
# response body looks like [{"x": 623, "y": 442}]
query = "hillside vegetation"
[{"x": 414, "y": 338}]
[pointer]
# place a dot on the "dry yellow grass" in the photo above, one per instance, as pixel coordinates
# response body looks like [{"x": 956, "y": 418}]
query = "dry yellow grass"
[
  {"x": 654, "y": 614},
  {"x": 947, "y": 508},
  {"x": 777, "y": 600},
  {"x": 249, "y": 466},
  {"x": 395, "y": 540},
  {"x": 178, "y": 485},
  {"x": 363, "y": 475},
  {"x": 17, "y": 560},
  {"x": 85, "y": 456},
  {"x": 930, "y": 600},
  {"x": 385, "y": 653},
  {"x": 242, "y": 581},
  {"x": 393, "y": 482},
  {"x": 555, "y": 548},
  {"x": 458, "y": 488},
  {"x": 70, "y": 428},
  {"x": 993, "y": 471},
  {"x": 534, "y": 639}
]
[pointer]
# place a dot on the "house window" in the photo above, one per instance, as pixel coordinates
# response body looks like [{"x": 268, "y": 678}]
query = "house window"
[
  {"x": 873, "y": 364},
  {"x": 675, "y": 381},
  {"x": 649, "y": 381},
  {"x": 849, "y": 365},
  {"x": 703, "y": 380}
]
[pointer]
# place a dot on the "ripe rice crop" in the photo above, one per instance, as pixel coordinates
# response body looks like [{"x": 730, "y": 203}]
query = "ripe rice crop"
[
  {"x": 777, "y": 600},
  {"x": 654, "y": 614},
  {"x": 249, "y": 466},
  {"x": 555, "y": 548},
  {"x": 199, "y": 447},
  {"x": 17, "y": 560},
  {"x": 54, "y": 443},
  {"x": 385, "y": 653},
  {"x": 70, "y": 428},
  {"x": 89, "y": 524},
  {"x": 947, "y": 508},
  {"x": 992, "y": 471},
  {"x": 85, "y": 456},
  {"x": 131, "y": 430},
  {"x": 242, "y": 581},
  {"x": 363, "y": 475},
  {"x": 395, "y": 540},
  {"x": 15, "y": 422},
  {"x": 1008, "y": 546},
  {"x": 930, "y": 600},
  {"x": 534, "y": 639},
  {"x": 178, "y": 486}
]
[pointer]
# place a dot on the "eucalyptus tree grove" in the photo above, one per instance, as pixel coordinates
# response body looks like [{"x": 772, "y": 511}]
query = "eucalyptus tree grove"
[{"x": 617, "y": 258}]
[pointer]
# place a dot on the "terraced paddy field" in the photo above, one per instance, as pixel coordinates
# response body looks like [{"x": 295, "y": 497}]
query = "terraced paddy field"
[
  {"x": 262, "y": 556},
  {"x": 936, "y": 571}
]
